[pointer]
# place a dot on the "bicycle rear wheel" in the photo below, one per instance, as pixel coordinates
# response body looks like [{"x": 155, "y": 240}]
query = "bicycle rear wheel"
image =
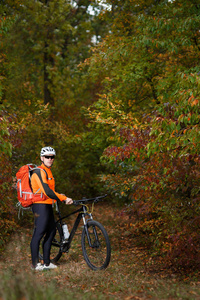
[
  {"x": 96, "y": 246},
  {"x": 56, "y": 252}
]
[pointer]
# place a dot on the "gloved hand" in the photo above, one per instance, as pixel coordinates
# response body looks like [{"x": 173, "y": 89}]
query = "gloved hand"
[{"x": 68, "y": 201}]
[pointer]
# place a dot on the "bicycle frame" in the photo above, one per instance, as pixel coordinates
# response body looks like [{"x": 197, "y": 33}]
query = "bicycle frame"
[{"x": 82, "y": 214}]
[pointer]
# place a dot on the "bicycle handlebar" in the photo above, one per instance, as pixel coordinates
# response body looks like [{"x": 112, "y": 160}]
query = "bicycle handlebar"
[{"x": 85, "y": 200}]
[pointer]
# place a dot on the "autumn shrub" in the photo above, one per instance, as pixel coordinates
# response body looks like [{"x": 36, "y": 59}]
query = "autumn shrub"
[
  {"x": 165, "y": 208},
  {"x": 162, "y": 190},
  {"x": 7, "y": 210}
]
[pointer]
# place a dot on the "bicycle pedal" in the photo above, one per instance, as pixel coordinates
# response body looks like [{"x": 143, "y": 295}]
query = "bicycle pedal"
[{"x": 65, "y": 242}]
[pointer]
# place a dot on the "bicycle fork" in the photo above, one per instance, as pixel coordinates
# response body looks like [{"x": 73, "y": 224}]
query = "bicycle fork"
[{"x": 85, "y": 221}]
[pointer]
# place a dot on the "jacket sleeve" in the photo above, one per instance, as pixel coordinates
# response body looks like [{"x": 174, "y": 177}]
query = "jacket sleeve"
[{"x": 39, "y": 181}]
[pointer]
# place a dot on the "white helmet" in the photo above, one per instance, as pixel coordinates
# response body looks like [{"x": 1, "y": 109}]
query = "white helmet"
[{"x": 47, "y": 151}]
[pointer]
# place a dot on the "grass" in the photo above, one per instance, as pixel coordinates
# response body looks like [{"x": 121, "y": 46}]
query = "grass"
[{"x": 130, "y": 275}]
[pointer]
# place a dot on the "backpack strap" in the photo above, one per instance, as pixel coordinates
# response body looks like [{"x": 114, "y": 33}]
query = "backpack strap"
[
  {"x": 31, "y": 173},
  {"x": 43, "y": 170}
]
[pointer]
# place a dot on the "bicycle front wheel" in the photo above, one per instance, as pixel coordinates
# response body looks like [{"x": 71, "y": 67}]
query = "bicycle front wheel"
[{"x": 96, "y": 246}]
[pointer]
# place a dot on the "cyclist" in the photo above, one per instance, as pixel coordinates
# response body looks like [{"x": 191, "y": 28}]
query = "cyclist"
[{"x": 44, "y": 224}]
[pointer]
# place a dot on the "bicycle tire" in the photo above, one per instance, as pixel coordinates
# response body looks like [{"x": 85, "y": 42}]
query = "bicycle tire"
[
  {"x": 56, "y": 252},
  {"x": 98, "y": 256}
]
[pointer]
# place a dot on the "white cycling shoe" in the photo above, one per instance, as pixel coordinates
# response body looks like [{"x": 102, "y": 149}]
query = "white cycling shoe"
[
  {"x": 49, "y": 267},
  {"x": 38, "y": 267}
]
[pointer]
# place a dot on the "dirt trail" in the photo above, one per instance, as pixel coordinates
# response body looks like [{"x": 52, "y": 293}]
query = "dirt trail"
[
  {"x": 17, "y": 253},
  {"x": 132, "y": 274}
]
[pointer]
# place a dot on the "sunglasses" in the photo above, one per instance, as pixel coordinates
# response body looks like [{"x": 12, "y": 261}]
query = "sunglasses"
[{"x": 51, "y": 157}]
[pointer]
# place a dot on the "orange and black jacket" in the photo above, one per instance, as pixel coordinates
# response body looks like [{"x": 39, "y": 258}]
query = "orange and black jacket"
[{"x": 43, "y": 182}]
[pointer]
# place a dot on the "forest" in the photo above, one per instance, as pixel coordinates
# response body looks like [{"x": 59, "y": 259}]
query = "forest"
[{"x": 114, "y": 87}]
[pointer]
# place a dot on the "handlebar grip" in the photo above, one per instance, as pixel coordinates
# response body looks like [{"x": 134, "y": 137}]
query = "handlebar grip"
[{"x": 75, "y": 203}]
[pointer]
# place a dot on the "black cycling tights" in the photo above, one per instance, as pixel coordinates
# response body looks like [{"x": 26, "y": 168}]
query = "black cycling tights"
[{"x": 44, "y": 226}]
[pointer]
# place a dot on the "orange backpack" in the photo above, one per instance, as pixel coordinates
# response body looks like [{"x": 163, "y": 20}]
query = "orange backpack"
[{"x": 24, "y": 191}]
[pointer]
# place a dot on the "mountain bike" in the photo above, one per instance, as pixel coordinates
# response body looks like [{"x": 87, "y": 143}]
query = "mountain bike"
[{"x": 95, "y": 242}]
